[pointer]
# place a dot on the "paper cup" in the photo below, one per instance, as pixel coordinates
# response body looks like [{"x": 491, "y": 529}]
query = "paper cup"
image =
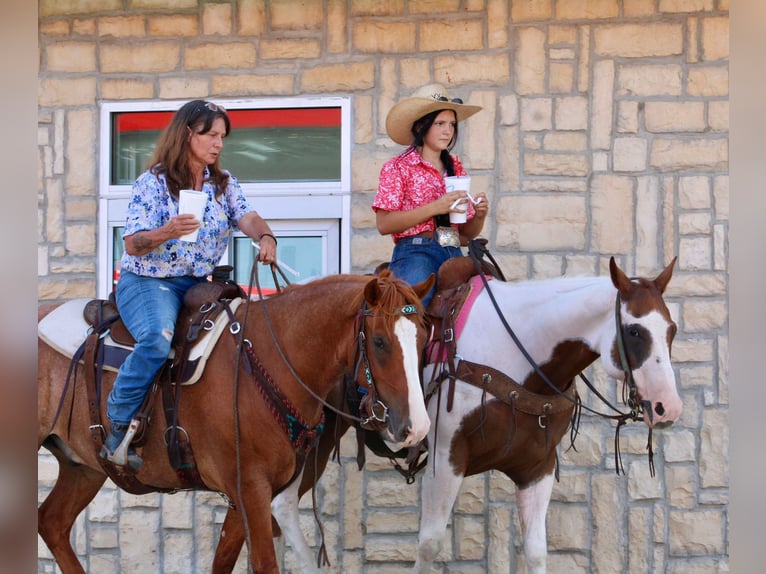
[
  {"x": 459, "y": 216},
  {"x": 458, "y": 183},
  {"x": 191, "y": 201}
]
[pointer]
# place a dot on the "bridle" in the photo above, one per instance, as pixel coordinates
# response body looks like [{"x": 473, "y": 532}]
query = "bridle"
[{"x": 373, "y": 411}]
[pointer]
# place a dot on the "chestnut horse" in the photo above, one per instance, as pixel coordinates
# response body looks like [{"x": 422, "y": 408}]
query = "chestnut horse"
[
  {"x": 306, "y": 339},
  {"x": 564, "y": 325}
]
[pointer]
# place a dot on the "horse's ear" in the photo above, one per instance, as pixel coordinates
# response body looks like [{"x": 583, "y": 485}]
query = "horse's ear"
[
  {"x": 422, "y": 288},
  {"x": 372, "y": 291},
  {"x": 664, "y": 278},
  {"x": 619, "y": 279}
]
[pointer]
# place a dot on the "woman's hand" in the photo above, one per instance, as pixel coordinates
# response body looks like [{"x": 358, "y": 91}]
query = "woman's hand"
[
  {"x": 268, "y": 249},
  {"x": 180, "y": 225}
]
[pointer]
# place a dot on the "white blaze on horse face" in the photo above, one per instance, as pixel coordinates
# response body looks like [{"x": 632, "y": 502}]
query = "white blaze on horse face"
[
  {"x": 655, "y": 378},
  {"x": 407, "y": 334}
]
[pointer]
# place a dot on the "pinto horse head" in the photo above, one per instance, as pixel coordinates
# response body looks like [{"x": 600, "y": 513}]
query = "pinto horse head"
[
  {"x": 647, "y": 332},
  {"x": 395, "y": 336}
]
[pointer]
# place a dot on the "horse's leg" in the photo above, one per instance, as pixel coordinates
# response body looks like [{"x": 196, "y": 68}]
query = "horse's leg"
[
  {"x": 229, "y": 544},
  {"x": 75, "y": 487},
  {"x": 284, "y": 507},
  {"x": 439, "y": 490},
  {"x": 533, "y": 502}
]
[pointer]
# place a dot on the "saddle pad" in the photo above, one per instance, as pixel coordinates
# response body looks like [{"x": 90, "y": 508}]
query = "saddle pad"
[
  {"x": 476, "y": 287},
  {"x": 65, "y": 329}
]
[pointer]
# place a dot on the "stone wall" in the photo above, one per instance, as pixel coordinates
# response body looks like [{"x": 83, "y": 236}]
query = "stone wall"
[{"x": 604, "y": 132}]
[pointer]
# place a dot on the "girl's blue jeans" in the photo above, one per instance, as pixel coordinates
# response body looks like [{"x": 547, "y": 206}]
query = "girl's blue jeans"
[
  {"x": 149, "y": 307},
  {"x": 415, "y": 258}
]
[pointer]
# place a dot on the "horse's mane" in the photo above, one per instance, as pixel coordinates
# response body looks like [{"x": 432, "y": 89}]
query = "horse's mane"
[{"x": 394, "y": 292}]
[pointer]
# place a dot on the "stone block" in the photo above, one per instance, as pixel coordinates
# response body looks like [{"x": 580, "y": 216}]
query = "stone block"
[
  {"x": 213, "y": 56},
  {"x": 384, "y": 37},
  {"x": 645, "y": 40},
  {"x": 184, "y": 88},
  {"x": 296, "y": 15},
  {"x": 694, "y": 223},
  {"x": 173, "y": 25},
  {"x": 571, "y": 113},
  {"x": 675, "y": 154},
  {"x": 352, "y": 77},
  {"x": 666, "y": 117},
  {"x": 71, "y": 7},
  {"x": 144, "y": 58},
  {"x": 216, "y": 19},
  {"x": 715, "y": 38},
  {"x": 637, "y": 8},
  {"x": 252, "y": 85},
  {"x": 290, "y": 48},
  {"x": 708, "y": 81},
  {"x": 602, "y": 104},
  {"x": 649, "y": 80},
  {"x": 556, "y": 164},
  {"x": 608, "y": 534},
  {"x": 560, "y": 77},
  {"x": 694, "y": 192},
  {"x": 696, "y": 532},
  {"x": 129, "y": 88},
  {"x": 630, "y": 154},
  {"x": 130, "y": 26},
  {"x": 251, "y": 17},
  {"x": 714, "y": 442},
  {"x": 701, "y": 315},
  {"x": 685, "y": 6},
  {"x": 540, "y": 223},
  {"x": 472, "y": 69},
  {"x": 70, "y": 57},
  {"x": 530, "y": 62},
  {"x": 612, "y": 213},
  {"x": 536, "y": 114},
  {"x": 586, "y": 9},
  {"x": 81, "y": 144},
  {"x": 718, "y": 115},
  {"x": 695, "y": 253},
  {"x": 441, "y": 35},
  {"x": 565, "y": 141},
  {"x": 530, "y": 11},
  {"x": 75, "y": 91}
]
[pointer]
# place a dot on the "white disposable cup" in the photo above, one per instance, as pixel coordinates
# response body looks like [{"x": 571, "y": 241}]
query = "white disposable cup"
[
  {"x": 192, "y": 201},
  {"x": 459, "y": 216},
  {"x": 458, "y": 183}
]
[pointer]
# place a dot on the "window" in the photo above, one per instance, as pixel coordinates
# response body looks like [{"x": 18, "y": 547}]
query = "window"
[{"x": 291, "y": 157}]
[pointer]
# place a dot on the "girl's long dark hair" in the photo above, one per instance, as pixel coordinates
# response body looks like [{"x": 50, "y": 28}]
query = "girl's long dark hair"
[
  {"x": 420, "y": 128},
  {"x": 171, "y": 154}
]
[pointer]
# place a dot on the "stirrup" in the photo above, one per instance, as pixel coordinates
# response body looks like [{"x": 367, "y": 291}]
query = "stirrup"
[{"x": 123, "y": 455}]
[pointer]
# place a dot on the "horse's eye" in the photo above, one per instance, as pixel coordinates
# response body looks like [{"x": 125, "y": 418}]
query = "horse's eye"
[
  {"x": 633, "y": 332},
  {"x": 379, "y": 342}
]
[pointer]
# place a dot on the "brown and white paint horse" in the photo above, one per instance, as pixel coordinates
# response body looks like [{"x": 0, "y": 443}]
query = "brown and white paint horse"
[{"x": 565, "y": 325}]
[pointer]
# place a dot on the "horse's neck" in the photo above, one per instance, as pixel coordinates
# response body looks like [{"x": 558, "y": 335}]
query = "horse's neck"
[{"x": 543, "y": 314}]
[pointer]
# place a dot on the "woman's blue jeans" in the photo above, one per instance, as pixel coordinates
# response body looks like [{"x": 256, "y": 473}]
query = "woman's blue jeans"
[
  {"x": 149, "y": 307},
  {"x": 415, "y": 258}
]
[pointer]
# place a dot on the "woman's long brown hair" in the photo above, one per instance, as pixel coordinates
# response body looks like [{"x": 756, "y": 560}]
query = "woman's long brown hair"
[{"x": 171, "y": 154}]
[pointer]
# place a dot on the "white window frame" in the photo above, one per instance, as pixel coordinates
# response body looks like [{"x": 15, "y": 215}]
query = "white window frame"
[{"x": 287, "y": 206}]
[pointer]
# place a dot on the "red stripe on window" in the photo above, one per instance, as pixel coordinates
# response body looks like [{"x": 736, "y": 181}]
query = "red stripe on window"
[{"x": 272, "y": 118}]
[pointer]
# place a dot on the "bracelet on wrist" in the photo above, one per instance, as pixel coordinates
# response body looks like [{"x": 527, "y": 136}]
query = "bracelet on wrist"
[{"x": 262, "y": 235}]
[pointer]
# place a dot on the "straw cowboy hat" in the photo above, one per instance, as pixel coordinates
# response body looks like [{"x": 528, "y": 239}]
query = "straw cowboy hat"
[{"x": 424, "y": 101}]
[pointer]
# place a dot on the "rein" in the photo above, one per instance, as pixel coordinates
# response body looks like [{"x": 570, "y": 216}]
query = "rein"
[{"x": 622, "y": 418}]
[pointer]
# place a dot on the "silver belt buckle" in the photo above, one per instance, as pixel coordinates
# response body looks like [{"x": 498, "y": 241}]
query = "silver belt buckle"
[{"x": 447, "y": 237}]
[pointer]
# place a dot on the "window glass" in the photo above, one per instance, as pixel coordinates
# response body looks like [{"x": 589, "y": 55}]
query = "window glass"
[
  {"x": 300, "y": 257},
  {"x": 265, "y": 145}
]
